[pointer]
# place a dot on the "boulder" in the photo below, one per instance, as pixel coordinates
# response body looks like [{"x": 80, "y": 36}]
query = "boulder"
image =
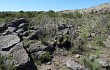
[
  {"x": 74, "y": 35},
  {"x": 32, "y": 35},
  {"x": 26, "y": 33},
  {"x": 10, "y": 45},
  {"x": 36, "y": 34},
  {"x": 22, "y": 25},
  {"x": 74, "y": 65},
  {"x": 51, "y": 48},
  {"x": 20, "y": 33},
  {"x": 65, "y": 31},
  {"x": 35, "y": 48},
  {"x": 20, "y": 56},
  {"x": 34, "y": 27},
  {"x": 17, "y": 22},
  {"x": 16, "y": 25},
  {"x": 38, "y": 54},
  {"x": 62, "y": 26},
  {"x": 7, "y": 41},
  {"x": 3, "y": 27},
  {"x": 10, "y": 29},
  {"x": 20, "y": 30}
]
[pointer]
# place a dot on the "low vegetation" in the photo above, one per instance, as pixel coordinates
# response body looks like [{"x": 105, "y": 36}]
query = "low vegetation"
[{"x": 86, "y": 33}]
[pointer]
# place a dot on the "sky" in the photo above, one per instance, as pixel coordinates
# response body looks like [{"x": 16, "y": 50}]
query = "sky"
[{"x": 45, "y": 5}]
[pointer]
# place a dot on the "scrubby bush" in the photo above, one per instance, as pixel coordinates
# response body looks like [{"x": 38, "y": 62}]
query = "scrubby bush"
[
  {"x": 45, "y": 57},
  {"x": 2, "y": 65},
  {"x": 26, "y": 42},
  {"x": 77, "y": 14},
  {"x": 93, "y": 65}
]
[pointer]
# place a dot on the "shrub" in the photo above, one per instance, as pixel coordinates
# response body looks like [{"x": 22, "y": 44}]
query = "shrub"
[
  {"x": 45, "y": 57},
  {"x": 93, "y": 65},
  {"x": 68, "y": 15},
  {"x": 26, "y": 42},
  {"x": 2, "y": 65},
  {"x": 78, "y": 14}
]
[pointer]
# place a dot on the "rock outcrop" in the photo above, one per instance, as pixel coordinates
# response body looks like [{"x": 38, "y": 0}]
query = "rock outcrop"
[
  {"x": 35, "y": 48},
  {"x": 17, "y": 22},
  {"x": 3, "y": 27},
  {"x": 8, "y": 41},
  {"x": 16, "y": 26},
  {"x": 10, "y": 45},
  {"x": 74, "y": 65}
]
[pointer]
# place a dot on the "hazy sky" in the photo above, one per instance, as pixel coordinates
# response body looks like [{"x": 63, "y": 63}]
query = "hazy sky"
[{"x": 45, "y": 5}]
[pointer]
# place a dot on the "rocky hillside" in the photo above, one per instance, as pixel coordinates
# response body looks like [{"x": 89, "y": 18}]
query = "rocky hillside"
[
  {"x": 101, "y": 8},
  {"x": 55, "y": 40}
]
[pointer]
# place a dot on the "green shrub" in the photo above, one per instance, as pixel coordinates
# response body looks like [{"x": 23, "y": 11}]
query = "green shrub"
[
  {"x": 45, "y": 57},
  {"x": 68, "y": 15},
  {"x": 78, "y": 14},
  {"x": 93, "y": 65},
  {"x": 100, "y": 43},
  {"x": 26, "y": 42},
  {"x": 2, "y": 65}
]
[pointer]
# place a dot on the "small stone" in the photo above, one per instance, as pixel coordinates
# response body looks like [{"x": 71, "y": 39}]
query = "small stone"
[
  {"x": 49, "y": 69},
  {"x": 77, "y": 56},
  {"x": 74, "y": 65},
  {"x": 49, "y": 63},
  {"x": 92, "y": 57}
]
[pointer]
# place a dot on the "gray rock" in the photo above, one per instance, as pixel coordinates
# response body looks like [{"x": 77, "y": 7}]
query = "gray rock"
[
  {"x": 20, "y": 33},
  {"x": 34, "y": 27},
  {"x": 92, "y": 57},
  {"x": 74, "y": 34},
  {"x": 20, "y": 56},
  {"x": 38, "y": 54},
  {"x": 17, "y": 22},
  {"x": 35, "y": 34},
  {"x": 10, "y": 29},
  {"x": 74, "y": 65},
  {"x": 62, "y": 26},
  {"x": 3, "y": 27},
  {"x": 7, "y": 41},
  {"x": 22, "y": 25},
  {"x": 65, "y": 31},
  {"x": 103, "y": 62},
  {"x": 26, "y": 33},
  {"x": 35, "y": 48},
  {"x": 32, "y": 34},
  {"x": 20, "y": 30},
  {"x": 10, "y": 45}
]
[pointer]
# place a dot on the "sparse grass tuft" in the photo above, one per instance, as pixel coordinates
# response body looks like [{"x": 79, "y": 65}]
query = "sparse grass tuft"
[
  {"x": 93, "y": 65},
  {"x": 45, "y": 57}
]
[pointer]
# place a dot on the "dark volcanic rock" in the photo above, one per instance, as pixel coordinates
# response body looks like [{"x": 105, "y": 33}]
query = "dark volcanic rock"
[
  {"x": 6, "y": 42},
  {"x": 10, "y": 45},
  {"x": 17, "y": 22},
  {"x": 61, "y": 27},
  {"x": 35, "y": 48},
  {"x": 36, "y": 34},
  {"x": 20, "y": 57},
  {"x": 3, "y": 27}
]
